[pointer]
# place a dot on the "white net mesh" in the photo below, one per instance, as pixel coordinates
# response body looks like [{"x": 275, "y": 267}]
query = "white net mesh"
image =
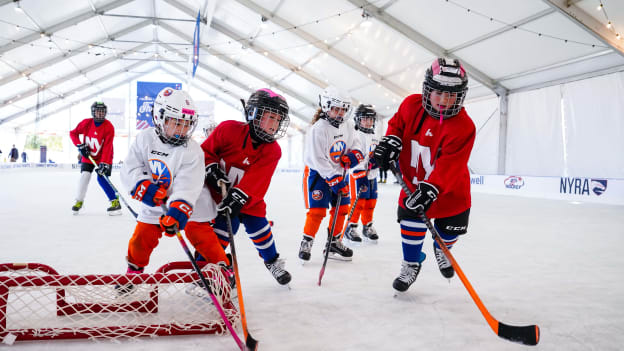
[{"x": 37, "y": 303}]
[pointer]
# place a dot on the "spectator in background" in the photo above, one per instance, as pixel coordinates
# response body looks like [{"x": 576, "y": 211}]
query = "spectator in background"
[
  {"x": 24, "y": 157},
  {"x": 14, "y": 154}
]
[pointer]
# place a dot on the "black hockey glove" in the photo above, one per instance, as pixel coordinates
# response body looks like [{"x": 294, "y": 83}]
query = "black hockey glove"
[
  {"x": 422, "y": 198},
  {"x": 388, "y": 150},
  {"x": 233, "y": 203},
  {"x": 215, "y": 175},
  {"x": 103, "y": 169},
  {"x": 84, "y": 150}
]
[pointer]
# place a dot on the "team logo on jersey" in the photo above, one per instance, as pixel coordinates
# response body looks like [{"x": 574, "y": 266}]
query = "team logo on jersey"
[
  {"x": 317, "y": 195},
  {"x": 336, "y": 150},
  {"x": 514, "y": 182},
  {"x": 428, "y": 133},
  {"x": 160, "y": 173},
  {"x": 167, "y": 92},
  {"x": 598, "y": 186}
]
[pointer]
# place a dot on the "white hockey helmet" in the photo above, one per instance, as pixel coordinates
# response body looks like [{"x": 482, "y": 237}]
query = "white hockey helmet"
[
  {"x": 333, "y": 97},
  {"x": 174, "y": 116}
]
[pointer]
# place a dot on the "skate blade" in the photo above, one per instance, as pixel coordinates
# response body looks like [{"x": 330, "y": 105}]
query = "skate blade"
[
  {"x": 75, "y": 213},
  {"x": 114, "y": 213},
  {"x": 371, "y": 241},
  {"x": 339, "y": 258},
  {"x": 353, "y": 243},
  {"x": 399, "y": 294},
  {"x": 303, "y": 262}
]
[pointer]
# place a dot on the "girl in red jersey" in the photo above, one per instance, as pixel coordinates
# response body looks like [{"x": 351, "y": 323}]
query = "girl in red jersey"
[
  {"x": 94, "y": 137},
  {"x": 244, "y": 155},
  {"x": 438, "y": 136}
]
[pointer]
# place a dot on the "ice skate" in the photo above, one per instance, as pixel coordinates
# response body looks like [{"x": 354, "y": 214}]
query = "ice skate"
[
  {"x": 77, "y": 207},
  {"x": 276, "y": 267},
  {"x": 370, "y": 233},
  {"x": 338, "y": 251},
  {"x": 408, "y": 275},
  {"x": 115, "y": 208},
  {"x": 351, "y": 233},
  {"x": 126, "y": 290},
  {"x": 446, "y": 268},
  {"x": 305, "y": 249}
]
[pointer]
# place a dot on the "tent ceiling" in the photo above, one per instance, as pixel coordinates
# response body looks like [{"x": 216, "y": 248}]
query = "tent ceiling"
[{"x": 58, "y": 52}]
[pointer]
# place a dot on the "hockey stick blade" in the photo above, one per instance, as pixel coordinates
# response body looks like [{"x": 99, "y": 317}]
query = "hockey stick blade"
[
  {"x": 527, "y": 335},
  {"x": 251, "y": 343}
]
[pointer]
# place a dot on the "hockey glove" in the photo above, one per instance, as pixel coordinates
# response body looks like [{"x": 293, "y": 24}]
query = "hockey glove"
[
  {"x": 149, "y": 193},
  {"x": 388, "y": 150},
  {"x": 372, "y": 163},
  {"x": 84, "y": 150},
  {"x": 103, "y": 169},
  {"x": 215, "y": 176},
  {"x": 233, "y": 202},
  {"x": 422, "y": 198},
  {"x": 338, "y": 185},
  {"x": 351, "y": 159},
  {"x": 175, "y": 220}
]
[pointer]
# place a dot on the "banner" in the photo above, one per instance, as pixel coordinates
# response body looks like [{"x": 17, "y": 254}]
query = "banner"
[
  {"x": 146, "y": 93},
  {"x": 116, "y": 112}
]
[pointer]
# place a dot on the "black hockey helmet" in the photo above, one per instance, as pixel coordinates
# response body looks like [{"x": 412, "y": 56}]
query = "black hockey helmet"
[
  {"x": 264, "y": 105},
  {"x": 98, "y": 106},
  {"x": 446, "y": 76},
  {"x": 365, "y": 111}
]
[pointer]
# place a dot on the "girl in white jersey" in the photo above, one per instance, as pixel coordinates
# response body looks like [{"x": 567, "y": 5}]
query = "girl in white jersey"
[
  {"x": 330, "y": 149},
  {"x": 363, "y": 178},
  {"x": 165, "y": 166}
]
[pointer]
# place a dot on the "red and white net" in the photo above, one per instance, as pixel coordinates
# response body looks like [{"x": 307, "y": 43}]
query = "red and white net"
[{"x": 38, "y": 303}]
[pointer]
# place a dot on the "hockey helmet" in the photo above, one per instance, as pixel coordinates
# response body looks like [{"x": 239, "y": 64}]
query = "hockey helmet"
[
  {"x": 266, "y": 112},
  {"x": 100, "y": 107},
  {"x": 362, "y": 113},
  {"x": 174, "y": 116},
  {"x": 446, "y": 78},
  {"x": 330, "y": 98}
]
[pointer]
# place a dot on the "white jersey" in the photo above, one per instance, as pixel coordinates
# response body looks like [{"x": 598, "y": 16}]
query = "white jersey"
[
  {"x": 179, "y": 169},
  {"x": 369, "y": 142},
  {"x": 325, "y": 144}
]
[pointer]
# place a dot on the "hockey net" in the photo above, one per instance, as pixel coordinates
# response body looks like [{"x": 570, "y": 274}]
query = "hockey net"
[{"x": 38, "y": 303}]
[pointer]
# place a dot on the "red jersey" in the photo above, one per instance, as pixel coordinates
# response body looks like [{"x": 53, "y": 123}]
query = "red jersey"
[
  {"x": 249, "y": 168},
  {"x": 436, "y": 153},
  {"x": 99, "y": 139}
]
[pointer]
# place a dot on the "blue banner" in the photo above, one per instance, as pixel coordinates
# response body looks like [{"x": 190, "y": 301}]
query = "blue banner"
[
  {"x": 196, "y": 45},
  {"x": 146, "y": 93}
]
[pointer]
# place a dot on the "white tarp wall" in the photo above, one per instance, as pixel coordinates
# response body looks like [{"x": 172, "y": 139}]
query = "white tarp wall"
[{"x": 574, "y": 129}]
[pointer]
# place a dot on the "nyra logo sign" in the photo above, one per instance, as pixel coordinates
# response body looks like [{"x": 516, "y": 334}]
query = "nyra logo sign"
[
  {"x": 160, "y": 173},
  {"x": 336, "y": 150},
  {"x": 582, "y": 186}
]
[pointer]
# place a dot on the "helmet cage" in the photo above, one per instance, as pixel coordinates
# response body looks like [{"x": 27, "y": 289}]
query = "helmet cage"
[
  {"x": 262, "y": 106},
  {"x": 362, "y": 112},
  {"x": 98, "y": 106},
  {"x": 446, "y": 76},
  {"x": 174, "y": 116},
  {"x": 330, "y": 98}
]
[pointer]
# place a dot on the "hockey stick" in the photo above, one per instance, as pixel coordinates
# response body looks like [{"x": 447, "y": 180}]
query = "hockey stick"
[
  {"x": 114, "y": 189},
  {"x": 527, "y": 335},
  {"x": 357, "y": 198},
  {"x": 330, "y": 235},
  {"x": 252, "y": 344},
  {"x": 206, "y": 286}
]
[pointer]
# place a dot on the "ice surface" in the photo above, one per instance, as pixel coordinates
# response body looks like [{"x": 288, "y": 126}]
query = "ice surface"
[{"x": 532, "y": 261}]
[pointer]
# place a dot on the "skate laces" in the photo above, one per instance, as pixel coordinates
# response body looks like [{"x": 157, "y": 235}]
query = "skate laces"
[
  {"x": 409, "y": 272},
  {"x": 369, "y": 229},
  {"x": 338, "y": 244},
  {"x": 443, "y": 262},
  {"x": 276, "y": 268},
  {"x": 306, "y": 245}
]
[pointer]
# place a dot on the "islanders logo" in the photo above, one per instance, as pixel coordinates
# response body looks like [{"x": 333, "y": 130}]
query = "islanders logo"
[
  {"x": 160, "y": 173},
  {"x": 336, "y": 150},
  {"x": 317, "y": 195},
  {"x": 598, "y": 186},
  {"x": 167, "y": 92}
]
